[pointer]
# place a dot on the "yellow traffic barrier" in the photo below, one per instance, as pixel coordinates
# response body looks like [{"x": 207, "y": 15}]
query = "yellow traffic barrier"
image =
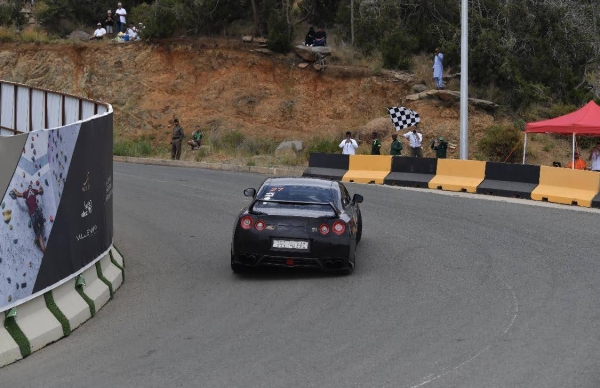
[
  {"x": 368, "y": 168},
  {"x": 567, "y": 186},
  {"x": 458, "y": 175}
]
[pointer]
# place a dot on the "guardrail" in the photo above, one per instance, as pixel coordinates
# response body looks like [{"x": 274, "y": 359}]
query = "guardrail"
[
  {"x": 56, "y": 256},
  {"x": 551, "y": 184}
]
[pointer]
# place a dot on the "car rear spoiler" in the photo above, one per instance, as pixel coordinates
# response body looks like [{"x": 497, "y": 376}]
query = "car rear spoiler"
[{"x": 333, "y": 207}]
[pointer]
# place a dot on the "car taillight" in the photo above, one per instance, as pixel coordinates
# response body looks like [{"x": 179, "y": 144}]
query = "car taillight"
[
  {"x": 339, "y": 227},
  {"x": 246, "y": 222},
  {"x": 260, "y": 225},
  {"x": 324, "y": 229}
]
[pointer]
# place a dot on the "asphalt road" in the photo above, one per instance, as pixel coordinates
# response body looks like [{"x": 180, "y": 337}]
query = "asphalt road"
[{"x": 449, "y": 291}]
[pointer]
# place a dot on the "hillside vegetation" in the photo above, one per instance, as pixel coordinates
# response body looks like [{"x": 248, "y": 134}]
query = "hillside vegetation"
[{"x": 247, "y": 102}]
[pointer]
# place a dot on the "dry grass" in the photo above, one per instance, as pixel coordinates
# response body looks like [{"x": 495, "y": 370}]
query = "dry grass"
[{"x": 28, "y": 35}]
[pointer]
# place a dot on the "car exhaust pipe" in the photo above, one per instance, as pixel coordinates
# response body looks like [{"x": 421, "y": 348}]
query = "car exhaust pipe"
[
  {"x": 338, "y": 264},
  {"x": 252, "y": 259},
  {"x": 329, "y": 264}
]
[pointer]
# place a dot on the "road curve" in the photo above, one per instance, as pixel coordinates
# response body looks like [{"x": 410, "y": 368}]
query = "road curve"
[{"x": 449, "y": 291}]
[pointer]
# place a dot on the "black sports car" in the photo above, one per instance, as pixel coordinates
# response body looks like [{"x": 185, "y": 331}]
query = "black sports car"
[{"x": 298, "y": 222}]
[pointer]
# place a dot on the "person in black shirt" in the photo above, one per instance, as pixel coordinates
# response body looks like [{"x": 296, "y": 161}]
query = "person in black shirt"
[
  {"x": 310, "y": 37},
  {"x": 375, "y": 144},
  {"x": 320, "y": 38}
]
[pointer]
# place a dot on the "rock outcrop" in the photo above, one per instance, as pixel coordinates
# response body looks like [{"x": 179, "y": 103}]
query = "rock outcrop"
[{"x": 451, "y": 96}]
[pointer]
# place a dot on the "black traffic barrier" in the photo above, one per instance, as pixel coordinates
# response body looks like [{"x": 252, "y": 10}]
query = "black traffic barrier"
[
  {"x": 596, "y": 201},
  {"x": 509, "y": 180},
  {"x": 327, "y": 166},
  {"x": 411, "y": 172}
]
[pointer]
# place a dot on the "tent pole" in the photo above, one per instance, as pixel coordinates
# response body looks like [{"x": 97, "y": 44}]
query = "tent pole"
[
  {"x": 573, "y": 155},
  {"x": 524, "y": 147}
]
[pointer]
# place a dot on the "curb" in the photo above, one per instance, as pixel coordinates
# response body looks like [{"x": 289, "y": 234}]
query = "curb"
[
  {"x": 280, "y": 171},
  {"x": 37, "y": 322}
]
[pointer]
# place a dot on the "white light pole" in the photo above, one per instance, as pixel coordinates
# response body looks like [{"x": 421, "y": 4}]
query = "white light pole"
[{"x": 464, "y": 81}]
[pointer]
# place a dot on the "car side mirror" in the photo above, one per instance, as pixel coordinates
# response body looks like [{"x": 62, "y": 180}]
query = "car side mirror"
[
  {"x": 250, "y": 192},
  {"x": 357, "y": 198}
]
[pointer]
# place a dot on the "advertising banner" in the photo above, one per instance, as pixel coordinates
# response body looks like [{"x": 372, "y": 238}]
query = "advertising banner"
[{"x": 57, "y": 207}]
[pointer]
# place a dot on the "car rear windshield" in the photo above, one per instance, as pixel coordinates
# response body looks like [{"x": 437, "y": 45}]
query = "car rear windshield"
[{"x": 305, "y": 198}]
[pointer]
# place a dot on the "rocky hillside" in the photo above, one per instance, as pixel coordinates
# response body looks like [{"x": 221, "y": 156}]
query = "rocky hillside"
[{"x": 229, "y": 85}]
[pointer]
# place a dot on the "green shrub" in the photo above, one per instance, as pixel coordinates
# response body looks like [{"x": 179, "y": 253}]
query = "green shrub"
[
  {"x": 325, "y": 145},
  {"x": 134, "y": 148},
  {"x": 396, "y": 49},
  {"x": 557, "y": 110},
  {"x": 158, "y": 18},
  {"x": 280, "y": 33},
  {"x": 498, "y": 143}
]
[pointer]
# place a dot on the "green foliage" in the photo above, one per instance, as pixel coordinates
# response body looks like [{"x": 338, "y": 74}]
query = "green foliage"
[
  {"x": 280, "y": 33},
  {"x": 322, "y": 145},
  {"x": 135, "y": 148},
  {"x": 159, "y": 19},
  {"x": 498, "y": 143},
  {"x": 11, "y": 15},
  {"x": 557, "y": 110},
  {"x": 397, "y": 49}
]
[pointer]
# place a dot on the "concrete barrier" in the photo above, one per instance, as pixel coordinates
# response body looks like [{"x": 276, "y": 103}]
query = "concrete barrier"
[
  {"x": 368, "y": 168},
  {"x": 95, "y": 289},
  {"x": 509, "y": 180},
  {"x": 567, "y": 186},
  {"x": 38, "y": 324},
  {"x": 411, "y": 172},
  {"x": 117, "y": 256},
  {"x": 9, "y": 350},
  {"x": 111, "y": 272},
  {"x": 71, "y": 304},
  {"x": 458, "y": 175},
  {"x": 327, "y": 166}
]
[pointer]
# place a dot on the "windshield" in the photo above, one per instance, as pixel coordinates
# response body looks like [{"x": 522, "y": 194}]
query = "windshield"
[{"x": 310, "y": 201}]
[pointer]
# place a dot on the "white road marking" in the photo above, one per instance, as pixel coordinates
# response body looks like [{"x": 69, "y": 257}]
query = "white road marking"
[{"x": 445, "y": 371}]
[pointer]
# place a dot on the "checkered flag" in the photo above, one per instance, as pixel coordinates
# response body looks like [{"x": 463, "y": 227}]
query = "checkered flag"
[{"x": 403, "y": 117}]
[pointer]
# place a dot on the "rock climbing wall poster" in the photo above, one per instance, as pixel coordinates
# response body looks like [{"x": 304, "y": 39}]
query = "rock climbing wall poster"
[{"x": 54, "y": 177}]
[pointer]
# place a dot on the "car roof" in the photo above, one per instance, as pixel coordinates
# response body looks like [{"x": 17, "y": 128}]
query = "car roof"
[{"x": 301, "y": 181}]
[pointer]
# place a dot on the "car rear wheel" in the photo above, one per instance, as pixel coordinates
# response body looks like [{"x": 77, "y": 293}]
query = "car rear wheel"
[{"x": 359, "y": 228}]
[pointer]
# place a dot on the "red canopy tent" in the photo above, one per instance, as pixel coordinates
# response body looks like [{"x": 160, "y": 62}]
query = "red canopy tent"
[{"x": 585, "y": 121}]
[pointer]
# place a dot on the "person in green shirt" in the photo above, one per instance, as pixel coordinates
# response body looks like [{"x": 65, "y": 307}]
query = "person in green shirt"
[
  {"x": 440, "y": 146},
  {"x": 396, "y": 149},
  {"x": 375, "y": 145},
  {"x": 196, "y": 141}
]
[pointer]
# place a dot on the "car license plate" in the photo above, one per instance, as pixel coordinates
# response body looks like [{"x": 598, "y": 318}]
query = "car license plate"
[{"x": 290, "y": 244}]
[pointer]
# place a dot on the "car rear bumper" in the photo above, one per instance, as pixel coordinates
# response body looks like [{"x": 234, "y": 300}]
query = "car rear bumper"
[{"x": 327, "y": 264}]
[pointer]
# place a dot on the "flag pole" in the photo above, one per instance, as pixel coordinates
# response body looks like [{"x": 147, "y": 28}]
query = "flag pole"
[{"x": 464, "y": 79}]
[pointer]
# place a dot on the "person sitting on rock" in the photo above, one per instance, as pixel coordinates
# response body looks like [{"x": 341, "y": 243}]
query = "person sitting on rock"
[
  {"x": 320, "y": 37},
  {"x": 310, "y": 37},
  {"x": 99, "y": 33}
]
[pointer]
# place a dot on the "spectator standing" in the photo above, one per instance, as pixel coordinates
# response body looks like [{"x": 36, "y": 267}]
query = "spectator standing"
[
  {"x": 310, "y": 37},
  {"x": 414, "y": 142},
  {"x": 109, "y": 22},
  {"x": 595, "y": 157},
  {"x": 348, "y": 145},
  {"x": 375, "y": 144},
  {"x": 99, "y": 33},
  {"x": 438, "y": 69},
  {"x": 441, "y": 147},
  {"x": 121, "y": 18},
  {"x": 176, "y": 140},
  {"x": 196, "y": 141},
  {"x": 320, "y": 37},
  {"x": 579, "y": 163},
  {"x": 396, "y": 148}
]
